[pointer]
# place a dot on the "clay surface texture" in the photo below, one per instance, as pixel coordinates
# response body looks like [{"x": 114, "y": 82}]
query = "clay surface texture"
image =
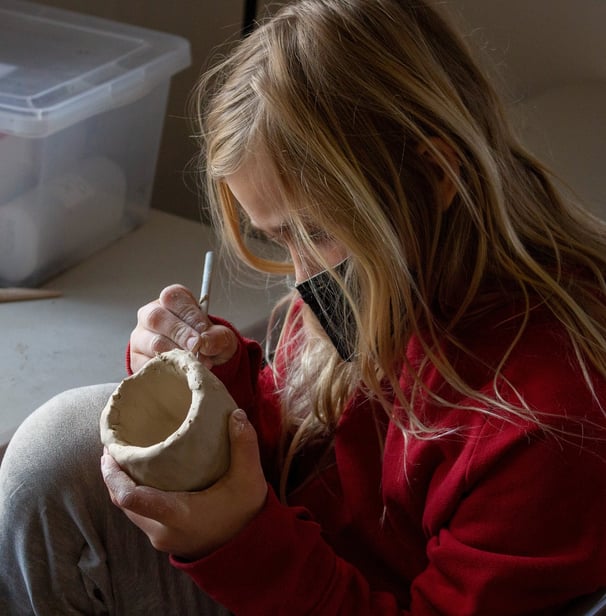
[{"x": 167, "y": 425}]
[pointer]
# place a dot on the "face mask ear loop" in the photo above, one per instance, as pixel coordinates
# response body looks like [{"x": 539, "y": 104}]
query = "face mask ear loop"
[{"x": 291, "y": 283}]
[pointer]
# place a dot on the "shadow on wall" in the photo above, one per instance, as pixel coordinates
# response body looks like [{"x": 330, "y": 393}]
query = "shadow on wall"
[
  {"x": 565, "y": 127},
  {"x": 549, "y": 56}
]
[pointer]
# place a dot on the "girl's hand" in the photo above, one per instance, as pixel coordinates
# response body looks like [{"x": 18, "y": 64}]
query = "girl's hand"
[
  {"x": 190, "y": 525},
  {"x": 175, "y": 321}
]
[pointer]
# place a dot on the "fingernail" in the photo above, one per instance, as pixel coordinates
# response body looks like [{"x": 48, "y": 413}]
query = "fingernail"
[
  {"x": 239, "y": 416},
  {"x": 204, "y": 342},
  {"x": 201, "y": 327}
]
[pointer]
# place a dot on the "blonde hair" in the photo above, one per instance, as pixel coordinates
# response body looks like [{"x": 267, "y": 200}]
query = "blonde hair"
[{"x": 345, "y": 96}]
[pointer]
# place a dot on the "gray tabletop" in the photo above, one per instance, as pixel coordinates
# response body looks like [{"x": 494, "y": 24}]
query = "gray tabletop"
[{"x": 79, "y": 338}]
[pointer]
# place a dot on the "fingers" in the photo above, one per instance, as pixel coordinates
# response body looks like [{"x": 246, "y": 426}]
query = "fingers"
[
  {"x": 139, "y": 501},
  {"x": 243, "y": 439},
  {"x": 217, "y": 345},
  {"x": 181, "y": 302},
  {"x": 245, "y": 466},
  {"x": 176, "y": 316},
  {"x": 175, "y": 321},
  {"x": 121, "y": 487},
  {"x": 170, "y": 322},
  {"x": 159, "y": 327},
  {"x": 171, "y": 520},
  {"x": 153, "y": 511}
]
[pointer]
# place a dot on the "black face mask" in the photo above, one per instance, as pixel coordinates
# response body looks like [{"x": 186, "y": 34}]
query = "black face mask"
[{"x": 326, "y": 300}]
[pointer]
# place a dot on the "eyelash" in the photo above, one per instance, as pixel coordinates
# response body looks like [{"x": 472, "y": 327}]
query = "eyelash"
[{"x": 317, "y": 236}]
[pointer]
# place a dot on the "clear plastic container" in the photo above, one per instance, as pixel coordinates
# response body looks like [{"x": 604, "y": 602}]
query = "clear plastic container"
[{"x": 82, "y": 105}]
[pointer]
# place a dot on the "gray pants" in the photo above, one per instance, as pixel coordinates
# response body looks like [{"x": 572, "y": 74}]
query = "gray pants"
[{"x": 64, "y": 548}]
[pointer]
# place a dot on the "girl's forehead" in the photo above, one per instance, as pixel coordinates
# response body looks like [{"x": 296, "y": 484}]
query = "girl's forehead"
[{"x": 255, "y": 187}]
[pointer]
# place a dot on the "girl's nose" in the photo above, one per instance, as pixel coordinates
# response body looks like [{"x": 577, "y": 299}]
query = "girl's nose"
[
  {"x": 301, "y": 271},
  {"x": 304, "y": 268}
]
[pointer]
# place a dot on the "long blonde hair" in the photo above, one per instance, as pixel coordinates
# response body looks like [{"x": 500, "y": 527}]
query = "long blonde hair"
[{"x": 345, "y": 96}]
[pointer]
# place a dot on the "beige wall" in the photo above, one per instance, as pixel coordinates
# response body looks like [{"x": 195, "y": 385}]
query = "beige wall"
[
  {"x": 206, "y": 24},
  {"x": 535, "y": 44}
]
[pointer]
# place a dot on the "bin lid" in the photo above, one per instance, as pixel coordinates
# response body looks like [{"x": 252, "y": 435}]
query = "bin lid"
[{"x": 59, "y": 67}]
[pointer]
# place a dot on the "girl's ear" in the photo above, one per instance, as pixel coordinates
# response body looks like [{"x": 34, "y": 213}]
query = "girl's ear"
[{"x": 447, "y": 188}]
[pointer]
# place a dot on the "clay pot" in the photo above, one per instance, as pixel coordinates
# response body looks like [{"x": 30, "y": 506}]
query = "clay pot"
[{"x": 167, "y": 425}]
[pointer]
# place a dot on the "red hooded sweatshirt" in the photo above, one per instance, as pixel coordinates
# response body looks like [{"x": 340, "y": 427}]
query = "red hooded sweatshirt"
[{"x": 494, "y": 517}]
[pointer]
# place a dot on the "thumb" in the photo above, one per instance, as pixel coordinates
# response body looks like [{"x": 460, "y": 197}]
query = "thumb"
[{"x": 243, "y": 441}]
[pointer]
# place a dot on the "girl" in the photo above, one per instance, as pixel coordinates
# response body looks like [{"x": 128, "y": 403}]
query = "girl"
[{"x": 429, "y": 435}]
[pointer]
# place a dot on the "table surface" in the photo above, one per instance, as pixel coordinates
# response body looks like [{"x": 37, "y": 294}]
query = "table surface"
[{"x": 77, "y": 339}]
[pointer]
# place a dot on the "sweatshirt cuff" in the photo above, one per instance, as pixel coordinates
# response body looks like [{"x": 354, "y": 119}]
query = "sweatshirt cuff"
[
  {"x": 239, "y": 374},
  {"x": 129, "y": 368}
]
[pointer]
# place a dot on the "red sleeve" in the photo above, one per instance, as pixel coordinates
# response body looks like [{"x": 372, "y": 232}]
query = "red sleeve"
[
  {"x": 507, "y": 519},
  {"x": 280, "y": 565},
  {"x": 251, "y": 384},
  {"x": 240, "y": 373},
  {"x": 525, "y": 539},
  {"x": 527, "y": 534},
  {"x": 129, "y": 367}
]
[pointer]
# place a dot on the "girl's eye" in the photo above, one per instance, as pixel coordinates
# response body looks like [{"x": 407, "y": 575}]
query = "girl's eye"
[
  {"x": 278, "y": 241},
  {"x": 258, "y": 234},
  {"x": 319, "y": 236}
]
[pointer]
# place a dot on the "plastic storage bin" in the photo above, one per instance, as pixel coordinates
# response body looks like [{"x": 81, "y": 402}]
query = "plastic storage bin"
[{"x": 82, "y": 104}]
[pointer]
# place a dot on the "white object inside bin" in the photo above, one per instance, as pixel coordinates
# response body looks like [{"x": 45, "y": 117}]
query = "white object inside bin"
[
  {"x": 17, "y": 171},
  {"x": 82, "y": 104},
  {"x": 5, "y": 69},
  {"x": 59, "y": 217}
]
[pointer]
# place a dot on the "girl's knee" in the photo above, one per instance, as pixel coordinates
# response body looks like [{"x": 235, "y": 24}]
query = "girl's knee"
[{"x": 59, "y": 438}]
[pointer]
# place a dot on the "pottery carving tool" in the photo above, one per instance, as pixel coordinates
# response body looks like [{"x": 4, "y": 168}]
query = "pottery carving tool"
[
  {"x": 206, "y": 282},
  {"x": 18, "y": 294}
]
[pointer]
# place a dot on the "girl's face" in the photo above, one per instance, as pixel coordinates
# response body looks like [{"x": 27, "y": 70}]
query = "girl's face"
[{"x": 257, "y": 193}]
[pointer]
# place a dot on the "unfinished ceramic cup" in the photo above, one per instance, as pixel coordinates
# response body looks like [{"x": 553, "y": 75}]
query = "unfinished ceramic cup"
[{"x": 167, "y": 425}]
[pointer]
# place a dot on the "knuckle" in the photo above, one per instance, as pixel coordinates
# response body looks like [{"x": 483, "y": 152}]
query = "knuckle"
[
  {"x": 174, "y": 295},
  {"x": 160, "y": 543},
  {"x": 154, "y": 317},
  {"x": 143, "y": 312},
  {"x": 125, "y": 499},
  {"x": 191, "y": 315},
  {"x": 181, "y": 332},
  {"x": 121, "y": 498},
  {"x": 150, "y": 316},
  {"x": 159, "y": 344}
]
